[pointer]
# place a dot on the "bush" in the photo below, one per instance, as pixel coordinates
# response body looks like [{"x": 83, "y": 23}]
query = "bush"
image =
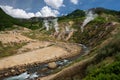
[
  {"x": 110, "y": 72},
  {"x": 111, "y": 49}
]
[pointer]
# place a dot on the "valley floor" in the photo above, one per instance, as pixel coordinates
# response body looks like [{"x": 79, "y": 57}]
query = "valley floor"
[{"x": 35, "y": 51}]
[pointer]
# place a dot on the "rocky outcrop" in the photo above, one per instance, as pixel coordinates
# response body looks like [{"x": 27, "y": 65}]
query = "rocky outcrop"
[
  {"x": 69, "y": 35},
  {"x": 66, "y": 31}
]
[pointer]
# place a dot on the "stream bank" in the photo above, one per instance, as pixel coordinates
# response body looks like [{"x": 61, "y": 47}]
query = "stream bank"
[{"x": 32, "y": 71}]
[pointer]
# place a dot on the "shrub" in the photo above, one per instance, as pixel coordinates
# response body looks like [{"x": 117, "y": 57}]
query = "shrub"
[{"x": 110, "y": 72}]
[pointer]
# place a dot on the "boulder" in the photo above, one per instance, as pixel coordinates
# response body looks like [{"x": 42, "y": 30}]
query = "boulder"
[{"x": 52, "y": 65}]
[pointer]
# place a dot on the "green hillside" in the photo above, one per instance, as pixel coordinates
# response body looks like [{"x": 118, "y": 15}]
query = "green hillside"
[
  {"x": 74, "y": 15},
  {"x": 103, "y": 60},
  {"x": 6, "y": 21}
]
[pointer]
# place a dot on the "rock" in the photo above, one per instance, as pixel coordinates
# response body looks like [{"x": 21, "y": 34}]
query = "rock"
[
  {"x": 52, "y": 65},
  {"x": 12, "y": 70},
  {"x": 6, "y": 74}
]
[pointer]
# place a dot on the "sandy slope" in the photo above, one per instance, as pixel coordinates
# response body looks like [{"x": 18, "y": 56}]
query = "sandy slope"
[
  {"x": 14, "y": 37},
  {"x": 34, "y": 50},
  {"x": 33, "y": 46},
  {"x": 41, "y": 55}
]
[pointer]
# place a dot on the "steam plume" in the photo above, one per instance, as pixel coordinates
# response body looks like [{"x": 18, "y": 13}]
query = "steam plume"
[
  {"x": 55, "y": 24},
  {"x": 67, "y": 29},
  {"x": 46, "y": 24},
  {"x": 49, "y": 23},
  {"x": 89, "y": 17}
]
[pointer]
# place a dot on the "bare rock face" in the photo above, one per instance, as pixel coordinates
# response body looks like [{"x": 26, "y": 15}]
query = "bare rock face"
[{"x": 52, "y": 65}]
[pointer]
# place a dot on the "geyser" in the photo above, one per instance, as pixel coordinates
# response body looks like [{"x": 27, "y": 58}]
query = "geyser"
[
  {"x": 55, "y": 24},
  {"x": 51, "y": 23},
  {"x": 89, "y": 17},
  {"x": 46, "y": 24}
]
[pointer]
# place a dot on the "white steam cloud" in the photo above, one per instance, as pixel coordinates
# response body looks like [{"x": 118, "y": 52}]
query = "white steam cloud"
[
  {"x": 67, "y": 29},
  {"x": 55, "y": 23},
  {"x": 89, "y": 17},
  {"x": 48, "y": 25}
]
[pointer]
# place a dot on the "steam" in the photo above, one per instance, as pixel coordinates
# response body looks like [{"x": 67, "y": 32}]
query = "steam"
[
  {"x": 89, "y": 17},
  {"x": 51, "y": 23},
  {"x": 46, "y": 24},
  {"x": 67, "y": 29},
  {"x": 55, "y": 24}
]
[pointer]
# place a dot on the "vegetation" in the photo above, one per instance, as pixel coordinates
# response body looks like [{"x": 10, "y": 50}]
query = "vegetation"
[
  {"x": 105, "y": 65},
  {"x": 110, "y": 70},
  {"x": 40, "y": 35},
  {"x": 74, "y": 15},
  {"x": 9, "y": 49},
  {"x": 93, "y": 33},
  {"x": 7, "y": 21},
  {"x": 101, "y": 10}
]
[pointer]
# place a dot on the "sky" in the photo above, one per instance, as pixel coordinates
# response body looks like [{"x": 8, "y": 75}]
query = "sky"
[{"x": 45, "y": 8}]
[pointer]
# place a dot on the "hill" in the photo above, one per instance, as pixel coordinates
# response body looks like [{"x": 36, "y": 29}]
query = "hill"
[
  {"x": 102, "y": 36},
  {"x": 97, "y": 29},
  {"x": 6, "y": 21},
  {"x": 75, "y": 14}
]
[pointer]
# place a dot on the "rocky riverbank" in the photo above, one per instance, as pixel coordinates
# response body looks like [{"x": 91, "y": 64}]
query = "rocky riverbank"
[{"x": 40, "y": 60}]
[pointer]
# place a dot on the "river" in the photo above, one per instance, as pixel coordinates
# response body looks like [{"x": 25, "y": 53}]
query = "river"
[{"x": 42, "y": 70}]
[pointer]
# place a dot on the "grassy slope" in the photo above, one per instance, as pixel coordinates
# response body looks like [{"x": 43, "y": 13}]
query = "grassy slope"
[
  {"x": 7, "y": 22},
  {"x": 106, "y": 65},
  {"x": 104, "y": 44},
  {"x": 102, "y": 62},
  {"x": 9, "y": 49}
]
